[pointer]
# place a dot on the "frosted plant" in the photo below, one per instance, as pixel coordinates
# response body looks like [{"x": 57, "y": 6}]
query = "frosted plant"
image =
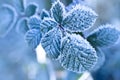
[
  {"x": 61, "y": 35},
  {"x": 104, "y": 36},
  {"x": 34, "y": 35}
]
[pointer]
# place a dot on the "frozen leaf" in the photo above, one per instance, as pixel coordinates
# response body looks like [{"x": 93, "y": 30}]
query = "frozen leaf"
[
  {"x": 79, "y": 19},
  {"x": 77, "y": 54},
  {"x": 51, "y": 43},
  {"x": 34, "y": 22},
  {"x": 7, "y": 19},
  {"x": 44, "y": 14},
  {"x": 33, "y": 37},
  {"x": 104, "y": 36},
  {"x": 30, "y": 10},
  {"x": 22, "y": 26},
  {"x": 57, "y": 11},
  {"x": 47, "y": 24}
]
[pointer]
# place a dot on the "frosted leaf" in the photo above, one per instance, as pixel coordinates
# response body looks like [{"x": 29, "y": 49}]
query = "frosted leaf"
[
  {"x": 30, "y": 10},
  {"x": 79, "y": 19},
  {"x": 51, "y": 43},
  {"x": 77, "y": 54},
  {"x": 44, "y": 14},
  {"x": 33, "y": 37},
  {"x": 47, "y": 24},
  {"x": 34, "y": 22},
  {"x": 103, "y": 36},
  {"x": 57, "y": 11}
]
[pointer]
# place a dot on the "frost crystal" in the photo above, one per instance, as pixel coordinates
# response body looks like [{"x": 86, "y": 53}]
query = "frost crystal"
[
  {"x": 79, "y": 19},
  {"x": 77, "y": 54},
  {"x": 51, "y": 43},
  {"x": 104, "y": 36}
]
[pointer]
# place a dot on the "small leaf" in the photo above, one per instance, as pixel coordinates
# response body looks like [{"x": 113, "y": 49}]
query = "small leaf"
[
  {"x": 77, "y": 54},
  {"x": 57, "y": 11},
  {"x": 51, "y": 43},
  {"x": 34, "y": 22},
  {"x": 103, "y": 36},
  {"x": 79, "y": 19},
  {"x": 44, "y": 14},
  {"x": 30, "y": 10},
  {"x": 22, "y": 26},
  {"x": 33, "y": 37},
  {"x": 47, "y": 24}
]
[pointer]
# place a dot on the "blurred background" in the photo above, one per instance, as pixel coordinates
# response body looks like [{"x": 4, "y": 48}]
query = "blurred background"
[{"x": 19, "y": 62}]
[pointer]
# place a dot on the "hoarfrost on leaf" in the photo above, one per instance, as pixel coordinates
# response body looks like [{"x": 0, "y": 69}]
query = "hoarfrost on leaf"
[
  {"x": 104, "y": 36},
  {"x": 77, "y": 54},
  {"x": 79, "y": 19},
  {"x": 34, "y": 22},
  {"x": 33, "y": 37},
  {"x": 58, "y": 11},
  {"x": 51, "y": 43},
  {"x": 47, "y": 24}
]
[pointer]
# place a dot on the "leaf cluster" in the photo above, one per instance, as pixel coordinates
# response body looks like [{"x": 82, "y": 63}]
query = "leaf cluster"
[{"x": 58, "y": 33}]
